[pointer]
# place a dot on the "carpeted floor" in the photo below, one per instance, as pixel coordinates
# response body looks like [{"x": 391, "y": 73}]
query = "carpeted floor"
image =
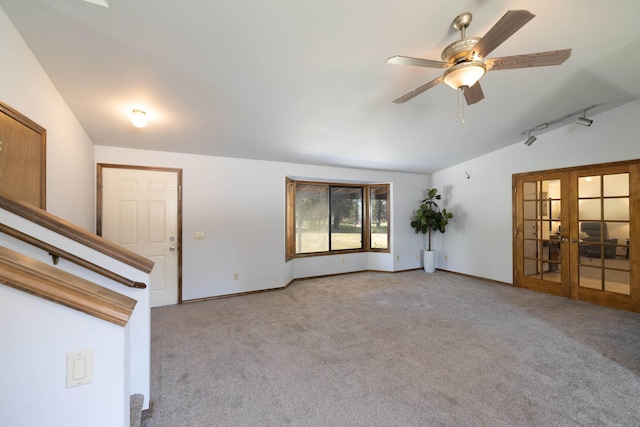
[{"x": 405, "y": 349}]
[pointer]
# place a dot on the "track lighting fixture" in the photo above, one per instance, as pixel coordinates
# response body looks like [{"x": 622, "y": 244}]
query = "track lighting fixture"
[
  {"x": 530, "y": 140},
  {"x": 581, "y": 121},
  {"x": 584, "y": 121}
]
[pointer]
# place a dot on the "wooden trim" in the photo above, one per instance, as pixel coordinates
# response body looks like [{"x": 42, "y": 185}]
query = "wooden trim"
[
  {"x": 609, "y": 167},
  {"x": 73, "y": 232},
  {"x": 570, "y": 264},
  {"x": 27, "y": 122},
  {"x": 57, "y": 252},
  {"x": 99, "y": 202},
  {"x": 28, "y": 275},
  {"x": 290, "y": 207},
  {"x": 370, "y": 210},
  {"x": 302, "y": 279},
  {"x": 290, "y": 219},
  {"x": 484, "y": 279}
]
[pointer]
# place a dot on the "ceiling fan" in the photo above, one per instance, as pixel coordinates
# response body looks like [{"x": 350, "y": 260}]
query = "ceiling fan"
[{"x": 466, "y": 60}]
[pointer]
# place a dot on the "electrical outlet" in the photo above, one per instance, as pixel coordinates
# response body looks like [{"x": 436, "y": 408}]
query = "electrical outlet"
[
  {"x": 236, "y": 276},
  {"x": 397, "y": 257},
  {"x": 417, "y": 255},
  {"x": 446, "y": 257},
  {"x": 342, "y": 260}
]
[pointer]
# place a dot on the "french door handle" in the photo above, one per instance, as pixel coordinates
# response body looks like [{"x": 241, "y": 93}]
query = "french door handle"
[
  {"x": 576, "y": 240},
  {"x": 564, "y": 240}
]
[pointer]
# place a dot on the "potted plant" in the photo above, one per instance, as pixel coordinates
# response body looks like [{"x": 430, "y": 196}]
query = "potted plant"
[{"x": 430, "y": 217}]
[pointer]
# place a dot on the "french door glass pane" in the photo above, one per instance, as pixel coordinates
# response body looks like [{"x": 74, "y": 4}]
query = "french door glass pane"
[
  {"x": 616, "y": 209},
  {"x": 617, "y": 281},
  {"x": 616, "y": 185},
  {"x": 589, "y": 209},
  {"x": 531, "y": 210},
  {"x": 589, "y": 186}
]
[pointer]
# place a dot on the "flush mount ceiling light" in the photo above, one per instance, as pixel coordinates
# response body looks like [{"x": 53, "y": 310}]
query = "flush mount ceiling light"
[{"x": 138, "y": 118}]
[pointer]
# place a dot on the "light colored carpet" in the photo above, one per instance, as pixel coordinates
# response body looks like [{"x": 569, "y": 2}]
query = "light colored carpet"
[
  {"x": 405, "y": 349},
  {"x": 135, "y": 410}
]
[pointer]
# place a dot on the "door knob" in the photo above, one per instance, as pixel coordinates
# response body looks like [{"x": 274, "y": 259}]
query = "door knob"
[
  {"x": 172, "y": 249},
  {"x": 564, "y": 240}
]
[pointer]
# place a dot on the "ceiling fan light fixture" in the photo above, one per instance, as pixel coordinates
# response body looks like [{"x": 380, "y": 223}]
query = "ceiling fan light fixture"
[
  {"x": 464, "y": 74},
  {"x": 138, "y": 118}
]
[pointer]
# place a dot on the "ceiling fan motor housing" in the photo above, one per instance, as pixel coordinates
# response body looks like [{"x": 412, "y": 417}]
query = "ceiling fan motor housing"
[{"x": 458, "y": 49}]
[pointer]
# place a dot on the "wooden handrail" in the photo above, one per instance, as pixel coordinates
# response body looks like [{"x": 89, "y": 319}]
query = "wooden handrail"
[
  {"x": 59, "y": 253},
  {"x": 37, "y": 278},
  {"x": 73, "y": 232}
]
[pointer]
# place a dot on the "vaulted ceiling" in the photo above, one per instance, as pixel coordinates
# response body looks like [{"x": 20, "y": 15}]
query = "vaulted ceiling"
[{"x": 306, "y": 81}]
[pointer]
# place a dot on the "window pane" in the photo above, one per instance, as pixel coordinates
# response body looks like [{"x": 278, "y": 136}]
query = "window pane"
[
  {"x": 312, "y": 218},
  {"x": 530, "y": 249},
  {"x": 616, "y": 185},
  {"x": 346, "y": 218},
  {"x": 379, "y": 218},
  {"x": 616, "y": 209},
  {"x": 589, "y": 209},
  {"x": 589, "y": 186},
  {"x": 617, "y": 281},
  {"x": 531, "y": 210},
  {"x": 530, "y": 190}
]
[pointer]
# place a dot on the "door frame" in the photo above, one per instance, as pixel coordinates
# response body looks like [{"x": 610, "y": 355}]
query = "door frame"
[
  {"x": 569, "y": 267},
  {"x": 99, "y": 204}
]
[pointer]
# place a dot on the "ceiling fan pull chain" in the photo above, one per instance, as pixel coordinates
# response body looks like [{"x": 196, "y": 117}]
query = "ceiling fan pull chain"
[
  {"x": 462, "y": 102},
  {"x": 460, "y": 106}
]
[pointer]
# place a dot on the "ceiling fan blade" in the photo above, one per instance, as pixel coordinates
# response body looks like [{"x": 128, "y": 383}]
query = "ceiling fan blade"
[
  {"x": 539, "y": 59},
  {"x": 473, "y": 94},
  {"x": 417, "y": 62},
  {"x": 511, "y": 22},
  {"x": 418, "y": 91}
]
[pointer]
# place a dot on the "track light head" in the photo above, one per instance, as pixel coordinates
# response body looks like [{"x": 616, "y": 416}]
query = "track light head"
[
  {"x": 584, "y": 121},
  {"x": 530, "y": 140}
]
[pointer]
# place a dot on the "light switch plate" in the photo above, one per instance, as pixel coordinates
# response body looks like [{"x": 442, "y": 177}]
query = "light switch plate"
[
  {"x": 199, "y": 235},
  {"x": 79, "y": 368}
]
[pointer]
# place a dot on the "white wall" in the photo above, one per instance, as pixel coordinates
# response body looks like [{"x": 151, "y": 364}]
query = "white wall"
[
  {"x": 33, "y": 388},
  {"x": 70, "y": 170},
  {"x": 240, "y": 205},
  {"x": 478, "y": 240},
  {"x": 139, "y": 325}
]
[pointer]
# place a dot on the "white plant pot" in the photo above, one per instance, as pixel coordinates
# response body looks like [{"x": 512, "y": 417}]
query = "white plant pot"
[{"x": 429, "y": 261}]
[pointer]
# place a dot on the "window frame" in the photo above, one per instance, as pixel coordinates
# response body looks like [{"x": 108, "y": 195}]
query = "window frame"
[{"x": 367, "y": 213}]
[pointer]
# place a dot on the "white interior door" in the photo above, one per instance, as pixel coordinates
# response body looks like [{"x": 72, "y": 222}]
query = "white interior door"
[{"x": 140, "y": 213}]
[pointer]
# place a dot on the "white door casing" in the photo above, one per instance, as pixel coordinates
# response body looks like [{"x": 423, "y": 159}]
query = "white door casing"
[{"x": 140, "y": 213}]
